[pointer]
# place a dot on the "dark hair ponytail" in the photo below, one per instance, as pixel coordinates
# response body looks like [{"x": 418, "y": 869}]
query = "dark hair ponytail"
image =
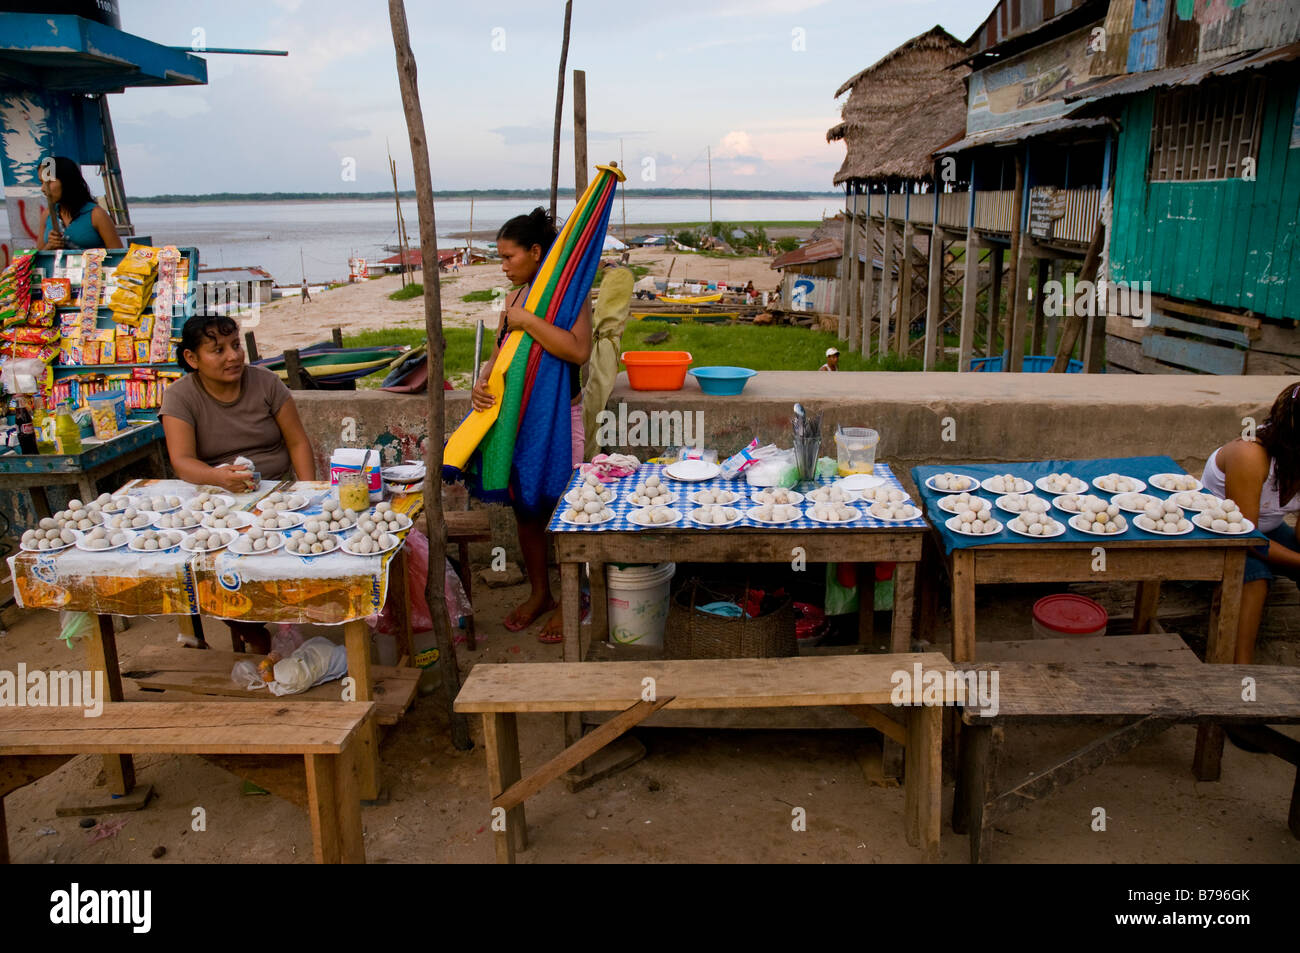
[
  {"x": 535, "y": 228},
  {"x": 210, "y": 326}
]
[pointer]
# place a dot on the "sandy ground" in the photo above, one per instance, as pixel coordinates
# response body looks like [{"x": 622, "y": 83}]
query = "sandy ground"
[
  {"x": 699, "y": 796},
  {"x": 290, "y": 322}
]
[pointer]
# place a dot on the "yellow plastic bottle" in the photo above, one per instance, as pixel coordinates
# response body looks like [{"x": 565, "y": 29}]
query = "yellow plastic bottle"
[
  {"x": 66, "y": 431},
  {"x": 46, "y": 438}
]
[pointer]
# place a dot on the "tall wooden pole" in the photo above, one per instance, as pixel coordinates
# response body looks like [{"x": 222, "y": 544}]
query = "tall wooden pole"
[
  {"x": 1015, "y": 340},
  {"x": 434, "y": 525},
  {"x": 579, "y": 131},
  {"x": 559, "y": 109},
  {"x": 401, "y": 232}
]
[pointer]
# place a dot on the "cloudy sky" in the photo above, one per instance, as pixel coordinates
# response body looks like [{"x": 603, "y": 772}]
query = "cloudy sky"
[{"x": 752, "y": 79}]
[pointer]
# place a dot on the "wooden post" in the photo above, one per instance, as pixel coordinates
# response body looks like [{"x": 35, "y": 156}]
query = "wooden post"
[
  {"x": 934, "y": 292},
  {"x": 250, "y": 345},
  {"x": 847, "y": 284},
  {"x": 969, "y": 295},
  {"x": 336, "y": 335},
  {"x": 996, "y": 253},
  {"x": 101, "y": 656},
  {"x": 1053, "y": 320},
  {"x": 886, "y": 278},
  {"x": 903, "y": 327},
  {"x": 559, "y": 110},
  {"x": 579, "y": 132},
  {"x": 1015, "y": 340},
  {"x": 434, "y": 526},
  {"x": 868, "y": 296},
  {"x": 293, "y": 369},
  {"x": 401, "y": 241},
  {"x": 1074, "y": 324},
  {"x": 855, "y": 304},
  {"x": 1036, "y": 344}
]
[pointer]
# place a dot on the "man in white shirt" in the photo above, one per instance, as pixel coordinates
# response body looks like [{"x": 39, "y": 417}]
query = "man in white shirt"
[{"x": 832, "y": 360}]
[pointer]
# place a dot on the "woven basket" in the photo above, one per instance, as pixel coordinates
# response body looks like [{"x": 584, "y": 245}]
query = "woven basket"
[{"x": 690, "y": 633}]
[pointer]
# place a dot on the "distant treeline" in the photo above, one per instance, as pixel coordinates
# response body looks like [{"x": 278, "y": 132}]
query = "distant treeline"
[{"x": 539, "y": 194}]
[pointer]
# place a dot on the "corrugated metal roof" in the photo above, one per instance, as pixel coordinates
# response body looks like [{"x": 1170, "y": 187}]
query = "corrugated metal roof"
[
  {"x": 1020, "y": 132},
  {"x": 1190, "y": 75},
  {"x": 244, "y": 273},
  {"x": 812, "y": 252}
]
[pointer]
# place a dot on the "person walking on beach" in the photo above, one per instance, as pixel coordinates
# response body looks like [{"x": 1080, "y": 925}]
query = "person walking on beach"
[
  {"x": 832, "y": 360},
  {"x": 306, "y": 292}
]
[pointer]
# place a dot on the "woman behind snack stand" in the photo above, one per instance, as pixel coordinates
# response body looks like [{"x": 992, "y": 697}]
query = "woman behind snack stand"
[
  {"x": 224, "y": 408},
  {"x": 82, "y": 223},
  {"x": 1262, "y": 476}
]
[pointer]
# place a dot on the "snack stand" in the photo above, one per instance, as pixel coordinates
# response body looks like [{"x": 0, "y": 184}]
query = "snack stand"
[{"x": 338, "y": 588}]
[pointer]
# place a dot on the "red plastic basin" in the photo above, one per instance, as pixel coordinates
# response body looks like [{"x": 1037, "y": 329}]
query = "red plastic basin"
[{"x": 656, "y": 370}]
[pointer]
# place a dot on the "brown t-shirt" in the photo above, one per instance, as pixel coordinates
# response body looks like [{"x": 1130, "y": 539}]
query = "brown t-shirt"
[{"x": 245, "y": 427}]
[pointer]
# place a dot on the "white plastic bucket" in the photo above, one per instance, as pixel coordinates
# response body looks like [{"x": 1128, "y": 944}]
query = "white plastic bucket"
[{"x": 638, "y": 603}]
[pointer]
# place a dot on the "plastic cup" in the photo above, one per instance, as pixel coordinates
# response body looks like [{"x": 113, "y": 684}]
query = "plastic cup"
[{"x": 856, "y": 450}]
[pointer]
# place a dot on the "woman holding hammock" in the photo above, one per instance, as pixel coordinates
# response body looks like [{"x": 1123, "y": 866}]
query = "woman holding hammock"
[{"x": 522, "y": 244}]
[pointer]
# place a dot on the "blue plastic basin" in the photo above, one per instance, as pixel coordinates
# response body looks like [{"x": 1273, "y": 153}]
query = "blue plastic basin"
[{"x": 722, "y": 381}]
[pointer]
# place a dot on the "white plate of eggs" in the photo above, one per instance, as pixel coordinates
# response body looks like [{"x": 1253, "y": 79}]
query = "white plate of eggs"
[
  {"x": 275, "y": 521},
  {"x": 1175, "y": 482},
  {"x": 1058, "y": 483},
  {"x": 1016, "y": 503},
  {"x": 718, "y": 497},
  {"x": 131, "y": 518},
  {"x": 1098, "y": 517},
  {"x": 282, "y": 502},
  {"x": 776, "y": 496},
  {"x": 971, "y": 523},
  {"x": 204, "y": 540},
  {"x": 1005, "y": 483},
  {"x": 1223, "y": 518},
  {"x": 1036, "y": 525},
  {"x": 893, "y": 512},
  {"x": 951, "y": 483},
  {"x": 956, "y": 503},
  {"x": 256, "y": 542},
  {"x": 833, "y": 513},
  {"x": 831, "y": 494},
  {"x": 207, "y": 502},
  {"x": 650, "y": 493},
  {"x": 1134, "y": 502},
  {"x": 590, "y": 513},
  {"x": 775, "y": 513},
  {"x": 223, "y": 518},
  {"x": 1070, "y": 502},
  {"x": 1164, "y": 518},
  {"x": 155, "y": 541},
  {"x": 101, "y": 540},
  {"x": 1191, "y": 500},
  {"x": 591, "y": 490},
  {"x": 716, "y": 515},
  {"x": 310, "y": 545},
  {"x": 1117, "y": 483},
  {"x": 884, "y": 494},
  {"x": 655, "y": 516},
  {"x": 178, "y": 519}
]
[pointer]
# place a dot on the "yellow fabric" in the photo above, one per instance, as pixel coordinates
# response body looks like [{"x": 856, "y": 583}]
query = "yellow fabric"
[{"x": 607, "y": 321}]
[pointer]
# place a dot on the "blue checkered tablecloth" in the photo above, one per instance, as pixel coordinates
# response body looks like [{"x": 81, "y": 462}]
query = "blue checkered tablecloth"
[{"x": 621, "y": 507}]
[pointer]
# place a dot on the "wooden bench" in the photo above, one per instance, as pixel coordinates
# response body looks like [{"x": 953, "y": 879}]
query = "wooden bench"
[
  {"x": 465, "y": 527},
  {"x": 36, "y": 741},
  {"x": 636, "y": 690},
  {"x": 1143, "y": 698}
]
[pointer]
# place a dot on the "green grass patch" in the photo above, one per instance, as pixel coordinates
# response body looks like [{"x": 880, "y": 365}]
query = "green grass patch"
[
  {"x": 413, "y": 290},
  {"x": 485, "y": 295}
]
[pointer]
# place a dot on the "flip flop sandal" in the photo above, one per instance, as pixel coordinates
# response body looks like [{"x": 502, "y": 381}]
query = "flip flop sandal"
[
  {"x": 517, "y": 626},
  {"x": 551, "y": 635}
]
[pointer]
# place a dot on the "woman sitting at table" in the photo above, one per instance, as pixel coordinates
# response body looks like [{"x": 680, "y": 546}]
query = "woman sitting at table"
[
  {"x": 1262, "y": 476},
  {"x": 223, "y": 409}
]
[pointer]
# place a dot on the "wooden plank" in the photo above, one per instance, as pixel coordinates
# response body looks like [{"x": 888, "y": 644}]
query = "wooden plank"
[
  {"x": 207, "y": 673},
  {"x": 501, "y": 741},
  {"x": 1159, "y": 320},
  {"x": 1163, "y": 648},
  {"x": 357, "y": 636},
  {"x": 1128, "y": 355},
  {"x": 903, "y": 624},
  {"x": 101, "y": 656},
  {"x": 923, "y": 778},
  {"x": 186, "y": 728},
  {"x": 578, "y": 752},
  {"x": 1145, "y": 605},
  {"x": 695, "y": 683},
  {"x": 1274, "y": 365},
  {"x": 1125, "y": 562},
  {"x": 894, "y": 730},
  {"x": 891, "y": 546},
  {"x": 1119, "y": 327},
  {"x": 17, "y": 772},
  {"x": 333, "y": 810},
  {"x": 963, "y": 605},
  {"x": 1053, "y": 692},
  {"x": 1281, "y": 339},
  {"x": 1074, "y": 766}
]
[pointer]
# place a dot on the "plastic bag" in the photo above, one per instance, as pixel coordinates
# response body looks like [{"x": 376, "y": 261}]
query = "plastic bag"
[
  {"x": 246, "y": 676},
  {"x": 459, "y": 608},
  {"x": 841, "y": 588},
  {"x": 315, "y": 661},
  {"x": 285, "y": 640},
  {"x": 775, "y": 469}
]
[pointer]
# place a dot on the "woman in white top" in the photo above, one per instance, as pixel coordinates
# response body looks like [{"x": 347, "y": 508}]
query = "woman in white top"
[{"x": 1262, "y": 476}]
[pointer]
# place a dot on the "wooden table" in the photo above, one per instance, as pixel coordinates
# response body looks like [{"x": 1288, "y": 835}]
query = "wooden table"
[
  {"x": 1148, "y": 563},
  {"x": 34, "y": 472},
  {"x": 744, "y": 544}
]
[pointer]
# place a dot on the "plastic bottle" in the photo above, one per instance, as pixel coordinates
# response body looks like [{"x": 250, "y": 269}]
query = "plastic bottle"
[
  {"x": 46, "y": 439},
  {"x": 26, "y": 428},
  {"x": 66, "y": 430}
]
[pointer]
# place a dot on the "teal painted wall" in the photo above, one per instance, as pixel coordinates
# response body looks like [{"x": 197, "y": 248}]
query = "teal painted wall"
[{"x": 1228, "y": 242}]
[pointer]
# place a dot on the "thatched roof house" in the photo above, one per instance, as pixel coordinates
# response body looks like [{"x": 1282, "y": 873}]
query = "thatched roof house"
[{"x": 902, "y": 108}]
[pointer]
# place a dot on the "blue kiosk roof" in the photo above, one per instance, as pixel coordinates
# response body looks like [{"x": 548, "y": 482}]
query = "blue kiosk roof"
[{"x": 74, "y": 55}]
